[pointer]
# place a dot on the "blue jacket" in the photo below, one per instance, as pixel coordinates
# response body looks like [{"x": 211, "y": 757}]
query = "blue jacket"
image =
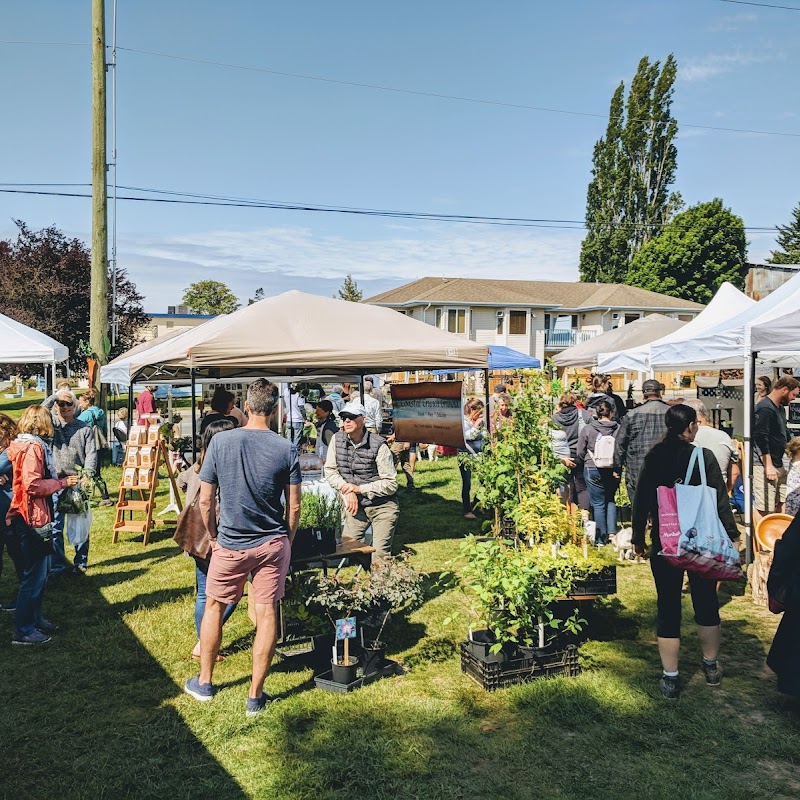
[{"x": 5, "y": 489}]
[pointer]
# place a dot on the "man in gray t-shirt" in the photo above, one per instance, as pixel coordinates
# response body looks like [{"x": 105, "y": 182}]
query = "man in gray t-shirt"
[{"x": 253, "y": 469}]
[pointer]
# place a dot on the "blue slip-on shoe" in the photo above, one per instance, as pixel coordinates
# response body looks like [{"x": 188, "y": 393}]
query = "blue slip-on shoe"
[
  {"x": 45, "y": 626},
  {"x": 257, "y": 705},
  {"x": 37, "y": 637},
  {"x": 200, "y": 691}
]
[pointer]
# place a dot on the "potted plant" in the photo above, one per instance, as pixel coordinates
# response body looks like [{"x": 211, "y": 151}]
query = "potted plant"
[
  {"x": 320, "y": 519},
  {"x": 629, "y": 401},
  {"x": 394, "y": 585},
  {"x": 623, "y": 503},
  {"x": 339, "y": 596}
]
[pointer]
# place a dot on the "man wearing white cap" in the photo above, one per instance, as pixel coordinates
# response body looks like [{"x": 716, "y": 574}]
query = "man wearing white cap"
[{"x": 360, "y": 465}]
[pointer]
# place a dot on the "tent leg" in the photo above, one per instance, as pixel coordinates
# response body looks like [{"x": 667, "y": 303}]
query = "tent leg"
[
  {"x": 747, "y": 472},
  {"x": 486, "y": 397},
  {"x": 194, "y": 420},
  {"x": 130, "y": 404}
]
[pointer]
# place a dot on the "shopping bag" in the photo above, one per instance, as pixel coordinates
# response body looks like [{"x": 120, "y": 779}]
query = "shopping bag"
[
  {"x": 78, "y": 527},
  {"x": 669, "y": 529},
  {"x": 702, "y": 544}
]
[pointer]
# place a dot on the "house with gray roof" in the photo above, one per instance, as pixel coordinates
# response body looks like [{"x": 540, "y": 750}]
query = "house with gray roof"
[{"x": 538, "y": 318}]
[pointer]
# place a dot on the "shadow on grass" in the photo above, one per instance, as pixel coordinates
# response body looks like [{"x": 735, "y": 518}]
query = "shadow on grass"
[{"x": 89, "y": 713}]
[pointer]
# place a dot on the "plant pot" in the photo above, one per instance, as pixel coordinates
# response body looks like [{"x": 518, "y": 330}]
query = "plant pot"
[
  {"x": 344, "y": 673},
  {"x": 374, "y": 657},
  {"x": 535, "y": 652},
  {"x": 624, "y": 515},
  {"x": 480, "y": 643}
]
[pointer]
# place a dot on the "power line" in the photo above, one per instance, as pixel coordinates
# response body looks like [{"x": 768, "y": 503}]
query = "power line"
[
  {"x": 436, "y": 95},
  {"x": 420, "y": 92},
  {"x": 760, "y": 5},
  {"x": 221, "y": 201}
]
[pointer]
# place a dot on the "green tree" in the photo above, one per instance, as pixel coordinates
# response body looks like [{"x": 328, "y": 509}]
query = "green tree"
[
  {"x": 210, "y": 297},
  {"x": 699, "y": 250},
  {"x": 259, "y": 295},
  {"x": 628, "y": 199},
  {"x": 45, "y": 281},
  {"x": 788, "y": 241},
  {"x": 350, "y": 290}
]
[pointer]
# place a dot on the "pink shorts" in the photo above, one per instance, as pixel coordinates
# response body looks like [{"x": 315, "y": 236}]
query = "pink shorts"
[{"x": 268, "y": 563}]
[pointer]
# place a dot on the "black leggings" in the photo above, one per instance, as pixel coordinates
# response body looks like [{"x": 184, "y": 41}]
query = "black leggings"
[{"x": 669, "y": 584}]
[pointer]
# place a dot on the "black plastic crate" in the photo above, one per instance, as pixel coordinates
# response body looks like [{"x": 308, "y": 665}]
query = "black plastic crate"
[
  {"x": 603, "y": 582},
  {"x": 508, "y": 528},
  {"x": 494, "y": 675},
  {"x": 327, "y": 684}
]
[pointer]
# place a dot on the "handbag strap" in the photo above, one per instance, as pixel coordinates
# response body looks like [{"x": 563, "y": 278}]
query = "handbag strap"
[{"x": 697, "y": 458}]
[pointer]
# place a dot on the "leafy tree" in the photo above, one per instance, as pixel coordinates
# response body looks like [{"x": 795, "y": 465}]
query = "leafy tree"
[
  {"x": 259, "y": 295},
  {"x": 350, "y": 290},
  {"x": 699, "y": 250},
  {"x": 210, "y": 297},
  {"x": 788, "y": 241},
  {"x": 628, "y": 198},
  {"x": 45, "y": 281}
]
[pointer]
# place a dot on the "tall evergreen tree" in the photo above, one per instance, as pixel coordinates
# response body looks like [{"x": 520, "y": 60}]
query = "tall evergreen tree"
[
  {"x": 350, "y": 291},
  {"x": 789, "y": 241},
  {"x": 628, "y": 199}
]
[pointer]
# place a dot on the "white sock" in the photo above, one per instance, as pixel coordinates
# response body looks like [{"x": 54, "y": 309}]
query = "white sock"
[{"x": 671, "y": 674}]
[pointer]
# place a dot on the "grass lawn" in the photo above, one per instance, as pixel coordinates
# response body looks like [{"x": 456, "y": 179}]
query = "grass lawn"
[{"x": 100, "y": 711}]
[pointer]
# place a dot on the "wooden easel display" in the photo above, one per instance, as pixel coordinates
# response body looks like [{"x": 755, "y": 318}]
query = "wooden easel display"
[{"x": 145, "y": 451}]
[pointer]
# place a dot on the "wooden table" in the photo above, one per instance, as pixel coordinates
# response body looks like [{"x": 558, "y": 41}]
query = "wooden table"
[{"x": 348, "y": 548}]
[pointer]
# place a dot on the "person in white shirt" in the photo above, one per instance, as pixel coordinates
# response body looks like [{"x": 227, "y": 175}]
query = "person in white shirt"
[
  {"x": 294, "y": 414},
  {"x": 717, "y": 441},
  {"x": 374, "y": 417}
]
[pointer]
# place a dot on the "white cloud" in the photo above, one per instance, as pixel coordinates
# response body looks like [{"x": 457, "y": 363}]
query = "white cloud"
[
  {"x": 714, "y": 65},
  {"x": 295, "y": 257},
  {"x": 733, "y": 22}
]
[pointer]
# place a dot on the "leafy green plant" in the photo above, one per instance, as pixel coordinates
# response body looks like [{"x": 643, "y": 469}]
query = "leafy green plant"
[
  {"x": 541, "y": 516},
  {"x": 511, "y": 593},
  {"x": 621, "y": 498},
  {"x": 338, "y": 595},
  {"x": 520, "y": 449},
  {"x": 394, "y": 585},
  {"x": 77, "y": 499},
  {"x": 319, "y": 511}
]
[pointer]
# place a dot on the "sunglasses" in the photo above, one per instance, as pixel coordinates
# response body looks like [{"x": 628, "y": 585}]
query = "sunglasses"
[
  {"x": 346, "y": 417},
  {"x": 64, "y": 404}
]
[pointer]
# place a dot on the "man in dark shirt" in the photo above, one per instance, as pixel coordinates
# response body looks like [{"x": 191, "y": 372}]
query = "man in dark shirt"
[
  {"x": 771, "y": 437},
  {"x": 639, "y": 430},
  {"x": 252, "y": 468}
]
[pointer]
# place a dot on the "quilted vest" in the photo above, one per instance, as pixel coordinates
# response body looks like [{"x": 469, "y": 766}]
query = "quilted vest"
[{"x": 359, "y": 465}]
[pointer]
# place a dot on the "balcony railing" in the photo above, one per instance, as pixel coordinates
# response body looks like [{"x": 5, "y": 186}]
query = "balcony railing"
[{"x": 561, "y": 339}]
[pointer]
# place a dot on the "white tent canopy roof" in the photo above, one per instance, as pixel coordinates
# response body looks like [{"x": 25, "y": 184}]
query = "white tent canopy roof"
[
  {"x": 297, "y": 334},
  {"x": 726, "y": 303},
  {"x": 727, "y": 344},
  {"x": 634, "y": 334},
  {"x": 20, "y": 344}
]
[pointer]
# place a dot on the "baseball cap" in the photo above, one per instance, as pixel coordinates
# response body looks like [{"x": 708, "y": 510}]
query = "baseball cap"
[
  {"x": 353, "y": 409},
  {"x": 652, "y": 386},
  {"x": 500, "y": 388},
  {"x": 325, "y": 405}
]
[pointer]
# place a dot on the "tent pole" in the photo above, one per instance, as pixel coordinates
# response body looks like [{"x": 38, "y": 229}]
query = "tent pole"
[
  {"x": 486, "y": 397},
  {"x": 130, "y": 403},
  {"x": 194, "y": 419},
  {"x": 747, "y": 473}
]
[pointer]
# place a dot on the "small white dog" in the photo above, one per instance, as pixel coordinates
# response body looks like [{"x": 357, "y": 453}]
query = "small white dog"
[{"x": 624, "y": 547}]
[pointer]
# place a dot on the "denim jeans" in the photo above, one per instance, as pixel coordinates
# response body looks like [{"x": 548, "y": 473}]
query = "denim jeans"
[
  {"x": 117, "y": 453},
  {"x": 294, "y": 432},
  {"x": 58, "y": 561},
  {"x": 31, "y": 561},
  {"x": 602, "y": 486},
  {"x": 201, "y": 573}
]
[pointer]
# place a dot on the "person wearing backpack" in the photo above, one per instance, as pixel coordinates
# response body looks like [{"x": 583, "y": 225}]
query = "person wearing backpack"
[
  {"x": 596, "y": 457},
  {"x": 572, "y": 420}
]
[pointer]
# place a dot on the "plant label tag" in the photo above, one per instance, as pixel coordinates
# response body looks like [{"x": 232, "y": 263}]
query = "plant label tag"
[{"x": 345, "y": 628}]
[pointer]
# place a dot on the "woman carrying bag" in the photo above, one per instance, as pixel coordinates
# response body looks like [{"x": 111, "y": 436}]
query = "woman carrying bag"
[
  {"x": 191, "y": 533},
  {"x": 664, "y": 466},
  {"x": 30, "y": 518}
]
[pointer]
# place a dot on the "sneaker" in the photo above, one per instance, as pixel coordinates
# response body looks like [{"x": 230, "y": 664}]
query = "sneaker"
[
  {"x": 670, "y": 687},
  {"x": 79, "y": 569},
  {"x": 713, "y": 673},
  {"x": 106, "y": 502},
  {"x": 257, "y": 705},
  {"x": 45, "y": 626},
  {"x": 37, "y": 637},
  {"x": 200, "y": 691},
  {"x": 470, "y": 515},
  {"x": 11, "y": 605}
]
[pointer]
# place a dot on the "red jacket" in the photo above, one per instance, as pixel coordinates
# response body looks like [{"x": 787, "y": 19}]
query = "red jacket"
[{"x": 30, "y": 487}]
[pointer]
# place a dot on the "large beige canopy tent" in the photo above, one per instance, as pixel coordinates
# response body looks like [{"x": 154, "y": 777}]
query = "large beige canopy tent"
[
  {"x": 297, "y": 334},
  {"x": 642, "y": 331}
]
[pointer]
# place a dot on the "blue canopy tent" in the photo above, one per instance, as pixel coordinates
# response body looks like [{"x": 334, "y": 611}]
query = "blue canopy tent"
[{"x": 501, "y": 358}]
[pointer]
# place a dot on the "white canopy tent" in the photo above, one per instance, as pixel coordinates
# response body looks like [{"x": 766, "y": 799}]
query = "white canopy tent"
[
  {"x": 726, "y": 303},
  {"x": 20, "y": 344},
  {"x": 634, "y": 334}
]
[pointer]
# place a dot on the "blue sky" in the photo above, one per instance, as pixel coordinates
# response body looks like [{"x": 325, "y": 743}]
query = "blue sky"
[{"x": 213, "y": 130}]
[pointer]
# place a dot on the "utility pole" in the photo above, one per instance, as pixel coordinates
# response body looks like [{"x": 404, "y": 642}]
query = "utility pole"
[{"x": 98, "y": 309}]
